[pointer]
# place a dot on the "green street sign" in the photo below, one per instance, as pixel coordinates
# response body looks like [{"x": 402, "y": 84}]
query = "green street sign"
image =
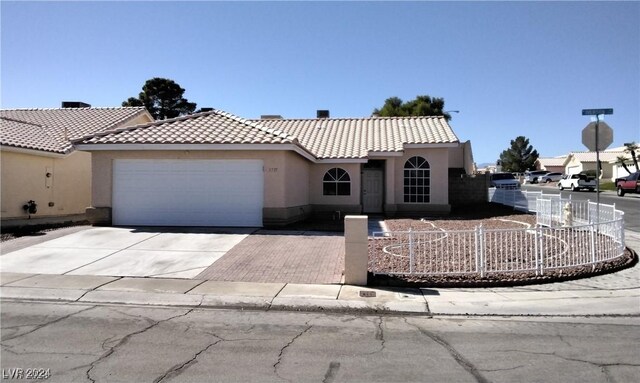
[{"x": 595, "y": 112}]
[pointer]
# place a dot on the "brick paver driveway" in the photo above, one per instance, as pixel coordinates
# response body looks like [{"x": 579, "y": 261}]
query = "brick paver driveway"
[{"x": 281, "y": 256}]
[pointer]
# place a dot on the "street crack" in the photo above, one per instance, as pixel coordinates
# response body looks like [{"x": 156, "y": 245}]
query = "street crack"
[
  {"x": 180, "y": 368},
  {"x": 124, "y": 341},
  {"x": 281, "y": 354},
  {"x": 38, "y": 327},
  {"x": 459, "y": 358}
]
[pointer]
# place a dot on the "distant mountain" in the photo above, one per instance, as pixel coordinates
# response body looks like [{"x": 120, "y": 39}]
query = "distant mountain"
[{"x": 485, "y": 164}]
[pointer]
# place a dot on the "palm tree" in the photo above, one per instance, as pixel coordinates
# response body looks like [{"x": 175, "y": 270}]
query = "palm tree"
[{"x": 631, "y": 148}]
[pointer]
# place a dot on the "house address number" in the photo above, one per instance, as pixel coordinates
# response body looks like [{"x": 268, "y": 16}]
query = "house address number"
[{"x": 270, "y": 170}]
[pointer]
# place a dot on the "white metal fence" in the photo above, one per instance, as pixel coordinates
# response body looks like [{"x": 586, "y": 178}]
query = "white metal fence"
[{"x": 567, "y": 234}]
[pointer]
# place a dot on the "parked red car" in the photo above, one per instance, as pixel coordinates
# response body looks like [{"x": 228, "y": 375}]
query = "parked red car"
[{"x": 628, "y": 184}]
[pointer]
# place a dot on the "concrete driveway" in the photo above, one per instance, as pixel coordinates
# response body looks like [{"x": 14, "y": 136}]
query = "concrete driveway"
[{"x": 116, "y": 251}]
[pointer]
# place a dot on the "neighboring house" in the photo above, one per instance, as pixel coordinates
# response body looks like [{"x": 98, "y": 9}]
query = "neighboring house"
[
  {"x": 39, "y": 163},
  {"x": 577, "y": 162},
  {"x": 216, "y": 169},
  {"x": 552, "y": 164}
]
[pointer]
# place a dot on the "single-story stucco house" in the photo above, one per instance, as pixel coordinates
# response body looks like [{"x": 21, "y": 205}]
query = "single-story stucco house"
[
  {"x": 216, "y": 169},
  {"x": 551, "y": 164},
  {"x": 39, "y": 163},
  {"x": 577, "y": 162}
]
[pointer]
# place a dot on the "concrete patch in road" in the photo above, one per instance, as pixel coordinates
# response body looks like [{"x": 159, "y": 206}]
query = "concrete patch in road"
[
  {"x": 238, "y": 289},
  {"x": 52, "y": 281},
  {"x": 152, "y": 285}
]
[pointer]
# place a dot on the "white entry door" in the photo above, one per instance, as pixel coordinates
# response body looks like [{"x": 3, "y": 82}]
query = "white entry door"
[
  {"x": 188, "y": 192},
  {"x": 372, "y": 190}
]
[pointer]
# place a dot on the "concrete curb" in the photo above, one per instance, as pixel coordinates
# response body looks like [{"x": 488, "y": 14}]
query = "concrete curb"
[{"x": 325, "y": 298}]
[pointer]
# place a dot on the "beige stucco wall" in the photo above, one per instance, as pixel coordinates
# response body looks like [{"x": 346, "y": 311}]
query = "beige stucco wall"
[
  {"x": 296, "y": 179},
  {"x": 438, "y": 159},
  {"x": 276, "y": 171},
  {"x": 607, "y": 168},
  {"x": 24, "y": 178}
]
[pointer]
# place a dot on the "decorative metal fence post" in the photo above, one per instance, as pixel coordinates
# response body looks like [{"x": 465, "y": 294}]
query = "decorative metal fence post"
[
  {"x": 540, "y": 252},
  {"x": 411, "y": 253},
  {"x": 481, "y": 250},
  {"x": 593, "y": 243}
]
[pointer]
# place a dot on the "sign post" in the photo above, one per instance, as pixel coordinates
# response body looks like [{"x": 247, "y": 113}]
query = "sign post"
[{"x": 597, "y": 137}]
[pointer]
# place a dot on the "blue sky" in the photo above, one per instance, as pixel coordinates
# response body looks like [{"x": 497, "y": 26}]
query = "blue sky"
[{"x": 511, "y": 68}]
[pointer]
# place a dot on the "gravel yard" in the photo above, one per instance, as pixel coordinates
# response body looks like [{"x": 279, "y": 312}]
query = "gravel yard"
[{"x": 444, "y": 251}]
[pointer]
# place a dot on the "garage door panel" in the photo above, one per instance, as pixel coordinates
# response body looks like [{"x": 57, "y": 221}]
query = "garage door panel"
[{"x": 188, "y": 192}]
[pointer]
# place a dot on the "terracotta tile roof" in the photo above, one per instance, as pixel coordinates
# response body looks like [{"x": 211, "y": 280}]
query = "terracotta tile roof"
[
  {"x": 214, "y": 127},
  {"x": 323, "y": 138},
  {"x": 52, "y": 130},
  {"x": 356, "y": 137}
]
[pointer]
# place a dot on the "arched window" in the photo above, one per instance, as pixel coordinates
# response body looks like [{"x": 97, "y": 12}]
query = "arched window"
[
  {"x": 336, "y": 182},
  {"x": 417, "y": 180}
]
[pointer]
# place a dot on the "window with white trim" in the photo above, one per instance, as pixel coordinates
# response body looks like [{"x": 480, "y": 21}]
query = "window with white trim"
[
  {"x": 417, "y": 180},
  {"x": 336, "y": 181}
]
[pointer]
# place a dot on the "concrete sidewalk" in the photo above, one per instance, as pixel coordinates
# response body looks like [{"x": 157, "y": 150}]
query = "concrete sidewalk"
[{"x": 611, "y": 294}]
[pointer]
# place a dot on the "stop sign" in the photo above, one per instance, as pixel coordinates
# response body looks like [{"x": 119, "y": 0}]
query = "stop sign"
[{"x": 605, "y": 136}]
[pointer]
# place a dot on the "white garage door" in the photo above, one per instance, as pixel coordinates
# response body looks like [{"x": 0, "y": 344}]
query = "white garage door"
[{"x": 188, "y": 192}]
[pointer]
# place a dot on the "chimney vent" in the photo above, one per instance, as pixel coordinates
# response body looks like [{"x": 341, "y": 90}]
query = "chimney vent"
[
  {"x": 207, "y": 109},
  {"x": 75, "y": 104},
  {"x": 322, "y": 114},
  {"x": 271, "y": 117}
]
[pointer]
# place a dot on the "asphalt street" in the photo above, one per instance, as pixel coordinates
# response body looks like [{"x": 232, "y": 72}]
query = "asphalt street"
[
  {"x": 100, "y": 343},
  {"x": 630, "y": 203}
]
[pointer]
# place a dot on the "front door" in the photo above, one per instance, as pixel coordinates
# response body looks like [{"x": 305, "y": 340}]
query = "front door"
[{"x": 372, "y": 190}]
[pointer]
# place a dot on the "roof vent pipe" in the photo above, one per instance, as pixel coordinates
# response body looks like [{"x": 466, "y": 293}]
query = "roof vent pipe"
[{"x": 322, "y": 113}]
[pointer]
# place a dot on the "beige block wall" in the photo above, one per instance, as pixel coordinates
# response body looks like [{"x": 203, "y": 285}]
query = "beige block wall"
[
  {"x": 316, "y": 174},
  {"x": 276, "y": 171},
  {"x": 438, "y": 159},
  {"x": 23, "y": 178}
]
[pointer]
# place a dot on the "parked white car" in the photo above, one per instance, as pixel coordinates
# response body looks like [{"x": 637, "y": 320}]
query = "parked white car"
[
  {"x": 577, "y": 182},
  {"x": 504, "y": 181},
  {"x": 533, "y": 177},
  {"x": 550, "y": 177}
]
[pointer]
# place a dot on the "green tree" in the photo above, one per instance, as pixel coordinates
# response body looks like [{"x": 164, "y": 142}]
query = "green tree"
[
  {"x": 520, "y": 156},
  {"x": 163, "y": 98},
  {"x": 421, "y": 106}
]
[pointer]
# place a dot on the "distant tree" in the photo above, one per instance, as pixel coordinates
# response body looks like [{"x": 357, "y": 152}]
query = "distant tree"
[
  {"x": 163, "y": 98},
  {"x": 421, "y": 106},
  {"x": 632, "y": 148},
  {"x": 519, "y": 157}
]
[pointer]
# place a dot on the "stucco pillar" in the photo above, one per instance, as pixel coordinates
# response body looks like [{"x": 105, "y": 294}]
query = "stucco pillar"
[{"x": 356, "y": 256}]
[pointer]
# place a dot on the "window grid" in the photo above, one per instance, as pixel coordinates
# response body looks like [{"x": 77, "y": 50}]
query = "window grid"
[
  {"x": 336, "y": 181},
  {"x": 417, "y": 180}
]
